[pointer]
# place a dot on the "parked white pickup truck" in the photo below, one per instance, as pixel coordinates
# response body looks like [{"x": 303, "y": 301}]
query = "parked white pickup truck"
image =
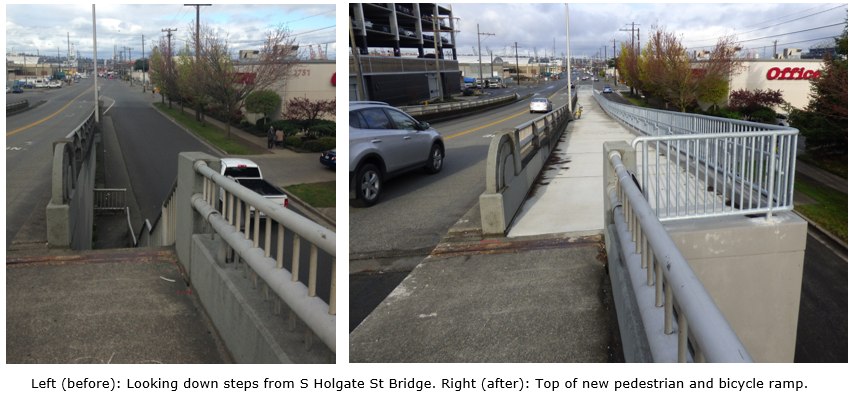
[{"x": 248, "y": 174}]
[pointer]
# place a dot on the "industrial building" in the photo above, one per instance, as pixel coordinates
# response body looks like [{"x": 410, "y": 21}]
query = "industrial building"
[{"x": 415, "y": 69}]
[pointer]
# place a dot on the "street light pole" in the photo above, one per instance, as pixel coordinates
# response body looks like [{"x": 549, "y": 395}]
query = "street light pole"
[
  {"x": 95, "y": 85},
  {"x": 568, "y": 41}
]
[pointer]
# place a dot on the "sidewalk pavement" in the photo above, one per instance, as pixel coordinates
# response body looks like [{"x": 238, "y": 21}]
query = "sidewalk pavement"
[{"x": 539, "y": 295}]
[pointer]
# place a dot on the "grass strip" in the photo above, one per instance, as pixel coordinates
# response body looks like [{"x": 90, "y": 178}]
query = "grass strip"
[
  {"x": 637, "y": 101},
  {"x": 837, "y": 166},
  {"x": 830, "y": 213},
  {"x": 319, "y": 194},
  {"x": 214, "y": 135}
]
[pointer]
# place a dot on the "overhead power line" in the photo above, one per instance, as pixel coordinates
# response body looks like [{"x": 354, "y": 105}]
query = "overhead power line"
[{"x": 776, "y": 35}]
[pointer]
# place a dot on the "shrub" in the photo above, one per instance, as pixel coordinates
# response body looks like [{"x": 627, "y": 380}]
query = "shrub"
[
  {"x": 260, "y": 125},
  {"x": 312, "y": 146},
  {"x": 763, "y": 114},
  {"x": 468, "y": 93},
  {"x": 293, "y": 141},
  {"x": 322, "y": 129},
  {"x": 328, "y": 142}
]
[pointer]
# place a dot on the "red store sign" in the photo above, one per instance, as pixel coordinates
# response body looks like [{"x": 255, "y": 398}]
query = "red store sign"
[{"x": 788, "y": 73}]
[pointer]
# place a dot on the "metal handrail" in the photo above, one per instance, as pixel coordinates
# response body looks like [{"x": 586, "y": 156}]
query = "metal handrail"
[
  {"x": 751, "y": 164},
  {"x": 669, "y": 272}
]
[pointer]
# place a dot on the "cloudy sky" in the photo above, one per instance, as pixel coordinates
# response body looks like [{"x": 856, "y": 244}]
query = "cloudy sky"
[
  {"x": 40, "y": 27},
  {"x": 594, "y": 25}
]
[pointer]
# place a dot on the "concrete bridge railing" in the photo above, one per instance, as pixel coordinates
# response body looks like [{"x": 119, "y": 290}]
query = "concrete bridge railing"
[
  {"x": 69, "y": 214},
  {"x": 210, "y": 243},
  {"x": 515, "y": 159}
]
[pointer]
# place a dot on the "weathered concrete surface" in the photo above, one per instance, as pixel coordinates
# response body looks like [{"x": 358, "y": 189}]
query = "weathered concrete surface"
[
  {"x": 547, "y": 300},
  {"x": 104, "y": 307}
]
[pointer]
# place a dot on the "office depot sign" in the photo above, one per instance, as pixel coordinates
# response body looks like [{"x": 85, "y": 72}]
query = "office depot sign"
[{"x": 791, "y": 73}]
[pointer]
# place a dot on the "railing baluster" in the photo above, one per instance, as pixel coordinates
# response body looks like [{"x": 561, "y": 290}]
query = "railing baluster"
[
  {"x": 683, "y": 338},
  {"x": 313, "y": 268}
]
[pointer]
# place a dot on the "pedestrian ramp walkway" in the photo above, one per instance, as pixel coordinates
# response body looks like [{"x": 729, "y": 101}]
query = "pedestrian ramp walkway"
[{"x": 568, "y": 196}]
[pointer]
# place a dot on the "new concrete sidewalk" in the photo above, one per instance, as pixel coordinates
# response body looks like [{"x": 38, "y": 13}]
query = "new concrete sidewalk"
[{"x": 540, "y": 295}]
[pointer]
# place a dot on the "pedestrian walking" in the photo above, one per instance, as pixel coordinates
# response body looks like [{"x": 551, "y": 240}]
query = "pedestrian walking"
[
  {"x": 270, "y": 135},
  {"x": 152, "y": 93},
  {"x": 279, "y": 137}
]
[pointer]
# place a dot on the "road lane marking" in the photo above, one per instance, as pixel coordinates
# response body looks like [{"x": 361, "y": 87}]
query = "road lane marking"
[
  {"x": 49, "y": 117},
  {"x": 494, "y": 123}
]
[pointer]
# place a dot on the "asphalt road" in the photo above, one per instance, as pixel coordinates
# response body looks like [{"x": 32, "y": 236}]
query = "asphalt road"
[
  {"x": 29, "y": 139},
  {"x": 151, "y": 144}
]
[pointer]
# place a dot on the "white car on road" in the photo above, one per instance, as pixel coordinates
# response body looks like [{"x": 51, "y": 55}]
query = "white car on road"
[{"x": 540, "y": 104}]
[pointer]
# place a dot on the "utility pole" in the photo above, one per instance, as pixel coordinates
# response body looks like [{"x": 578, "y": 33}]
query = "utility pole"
[
  {"x": 480, "y": 66},
  {"x": 95, "y": 86},
  {"x": 170, "y": 59},
  {"x": 143, "y": 67},
  {"x": 568, "y": 45},
  {"x": 517, "y": 53},
  {"x": 615, "y": 65},
  {"x": 775, "y": 50},
  {"x": 197, "y": 47}
]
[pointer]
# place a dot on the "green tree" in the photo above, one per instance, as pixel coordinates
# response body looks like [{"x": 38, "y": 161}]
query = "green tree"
[
  {"x": 227, "y": 85},
  {"x": 262, "y": 102},
  {"x": 824, "y": 122},
  {"x": 141, "y": 64},
  {"x": 714, "y": 91}
]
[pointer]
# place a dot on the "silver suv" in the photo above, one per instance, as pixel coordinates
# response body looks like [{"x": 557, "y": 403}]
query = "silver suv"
[{"x": 385, "y": 142}]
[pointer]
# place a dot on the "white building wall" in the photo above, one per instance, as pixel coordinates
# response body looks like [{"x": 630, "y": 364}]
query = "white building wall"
[{"x": 795, "y": 90}]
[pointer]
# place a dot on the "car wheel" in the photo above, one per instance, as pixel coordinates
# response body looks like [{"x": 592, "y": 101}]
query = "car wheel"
[
  {"x": 368, "y": 186},
  {"x": 436, "y": 160}
]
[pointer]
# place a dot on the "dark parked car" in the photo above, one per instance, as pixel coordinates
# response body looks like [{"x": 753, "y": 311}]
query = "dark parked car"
[
  {"x": 17, "y": 90},
  {"x": 328, "y": 158}
]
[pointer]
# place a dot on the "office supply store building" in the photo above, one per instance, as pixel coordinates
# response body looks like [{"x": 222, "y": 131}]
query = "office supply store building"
[{"x": 790, "y": 76}]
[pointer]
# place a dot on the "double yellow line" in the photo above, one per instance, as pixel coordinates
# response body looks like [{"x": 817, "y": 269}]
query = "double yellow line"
[
  {"x": 49, "y": 117},
  {"x": 499, "y": 121}
]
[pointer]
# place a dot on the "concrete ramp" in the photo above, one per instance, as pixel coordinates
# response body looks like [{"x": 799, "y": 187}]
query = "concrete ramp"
[{"x": 572, "y": 178}]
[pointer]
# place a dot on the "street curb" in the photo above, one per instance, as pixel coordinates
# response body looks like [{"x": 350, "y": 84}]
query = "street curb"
[
  {"x": 183, "y": 127},
  {"x": 831, "y": 236},
  {"x": 307, "y": 207}
]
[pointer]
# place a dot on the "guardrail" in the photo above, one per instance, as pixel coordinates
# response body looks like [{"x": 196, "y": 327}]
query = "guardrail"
[
  {"x": 238, "y": 215},
  {"x": 697, "y": 319},
  {"x": 109, "y": 199},
  {"x": 514, "y": 160},
  {"x": 415, "y": 110},
  {"x": 713, "y": 166}
]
